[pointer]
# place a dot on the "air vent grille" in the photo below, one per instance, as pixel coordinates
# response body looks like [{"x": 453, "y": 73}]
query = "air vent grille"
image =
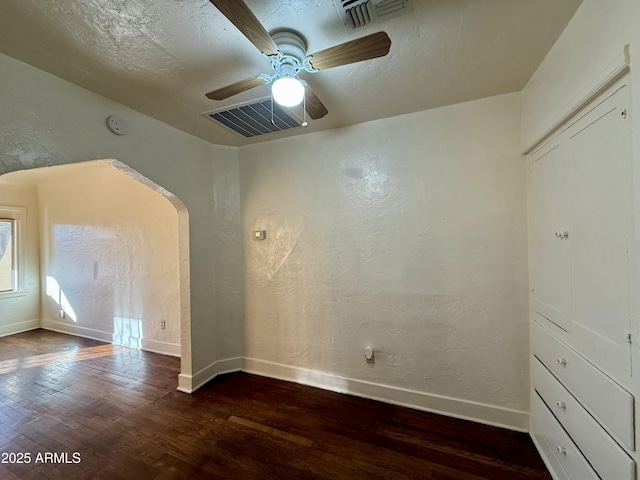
[
  {"x": 358, "y": 13},
  {"x": 253, "y": 119}
]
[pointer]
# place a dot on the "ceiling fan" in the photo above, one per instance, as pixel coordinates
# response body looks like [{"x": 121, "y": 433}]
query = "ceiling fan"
[{"x": 286, "y": 52}]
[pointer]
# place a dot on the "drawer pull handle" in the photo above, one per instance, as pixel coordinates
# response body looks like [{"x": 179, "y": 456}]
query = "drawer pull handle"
[
  {"x": 561, "y": 405},
  {"x": 562, "y": 450},
  {"x": 562, "y": 234},
  {"x": 562, "y": 361}
]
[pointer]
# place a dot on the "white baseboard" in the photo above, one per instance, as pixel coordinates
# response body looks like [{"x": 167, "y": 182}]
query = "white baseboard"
[
  {"x": 19, "y": 327},
  {"x": 164, "y": 348},
  {"x": 453, "y": 407},
  {"x": 190, "y": 383},
  {"x": 76, "y": 330}
]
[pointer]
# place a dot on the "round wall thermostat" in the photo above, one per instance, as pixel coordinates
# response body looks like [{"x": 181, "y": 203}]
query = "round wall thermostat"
[{"x": 117, "y": 125}]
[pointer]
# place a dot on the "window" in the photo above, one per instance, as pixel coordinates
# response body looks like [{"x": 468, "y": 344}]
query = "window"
[
  {"x": 11, "y": 219},
  {"x": 7, "y": 257}
]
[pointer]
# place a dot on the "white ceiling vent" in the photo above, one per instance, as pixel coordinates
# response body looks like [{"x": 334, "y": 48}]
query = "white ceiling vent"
[
  {"x": 255, "y": 118},
  {"x": 358, "y": 13}
]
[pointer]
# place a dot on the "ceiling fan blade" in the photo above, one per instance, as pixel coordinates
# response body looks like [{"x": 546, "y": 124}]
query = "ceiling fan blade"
[
  {"x": 235, "y": 88},
  {"x": 365, "y": 48},
  {"x": 315, "y": 108},
  {"x": 239, "y": 14}
]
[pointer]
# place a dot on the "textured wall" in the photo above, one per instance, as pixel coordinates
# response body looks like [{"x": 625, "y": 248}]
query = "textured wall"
[
  {"x": 47, "y": 121},
  {"x": 407, "y": 234},
  {"x": 228, "y": 257}
]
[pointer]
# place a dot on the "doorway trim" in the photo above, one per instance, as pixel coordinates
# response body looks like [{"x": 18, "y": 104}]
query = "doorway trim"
[{"x": 184, "y": 270}]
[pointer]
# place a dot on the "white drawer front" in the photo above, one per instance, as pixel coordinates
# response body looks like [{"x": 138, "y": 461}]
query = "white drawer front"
[
  {"x": 604, "y": 454},
  {"x": 561, "y": 453},
  {"x": 607, "y": 401}
]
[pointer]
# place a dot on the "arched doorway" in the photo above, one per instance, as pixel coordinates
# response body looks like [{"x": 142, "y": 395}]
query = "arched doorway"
[{"x": 113, "y": 256}]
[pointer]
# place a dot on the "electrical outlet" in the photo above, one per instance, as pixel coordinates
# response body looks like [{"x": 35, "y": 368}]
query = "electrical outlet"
[
  {"x": 163, "y": 324},
  {"x": 61, "y": 313}
]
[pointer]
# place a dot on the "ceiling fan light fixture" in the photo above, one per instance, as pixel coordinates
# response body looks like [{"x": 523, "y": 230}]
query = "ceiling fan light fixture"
[
  {"x": 287, "y": 91},
  {"x": 286, "y": 52}
]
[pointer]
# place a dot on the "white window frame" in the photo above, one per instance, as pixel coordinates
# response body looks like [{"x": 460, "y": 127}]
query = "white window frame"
[{"x": 19, "y": 217}]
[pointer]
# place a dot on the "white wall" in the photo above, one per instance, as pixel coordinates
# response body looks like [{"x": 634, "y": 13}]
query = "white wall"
[
  {"x": 229, "y": 262},
  {"x": 48, "y": 121},
  {"x": 21, "y": 311},
  {"x": 407, "y": 234}
]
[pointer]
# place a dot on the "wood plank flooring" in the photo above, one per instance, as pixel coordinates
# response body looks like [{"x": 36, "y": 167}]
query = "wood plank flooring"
[{"x": 117, "y": 410}]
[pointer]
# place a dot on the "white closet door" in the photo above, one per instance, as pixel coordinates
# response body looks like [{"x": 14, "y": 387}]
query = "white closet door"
[
  {"x": 551, "y": 267},
  {"x": 600, "y": 234}
]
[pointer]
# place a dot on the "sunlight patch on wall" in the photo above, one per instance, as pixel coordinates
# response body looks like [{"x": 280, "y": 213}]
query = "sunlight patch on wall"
[
  {"x": 57, "y": 295},
  {"x": 127, "y": 332}
]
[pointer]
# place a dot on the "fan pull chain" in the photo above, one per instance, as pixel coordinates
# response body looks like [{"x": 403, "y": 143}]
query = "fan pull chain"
[
  {"x": 272, "y": 121},
  {"x": 304, "y": 108}
]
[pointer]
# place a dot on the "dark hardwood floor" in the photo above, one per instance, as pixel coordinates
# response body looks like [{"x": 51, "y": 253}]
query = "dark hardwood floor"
[{"x": 113, "y": 412}]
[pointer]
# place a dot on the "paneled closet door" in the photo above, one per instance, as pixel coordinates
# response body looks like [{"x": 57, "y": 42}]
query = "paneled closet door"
[
  {"x": 601, "y": 233},
  {"x": 551, "y": 257}
]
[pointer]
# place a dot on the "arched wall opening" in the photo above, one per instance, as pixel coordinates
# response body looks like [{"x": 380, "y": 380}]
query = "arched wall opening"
[{"x": 112, "y": 254}]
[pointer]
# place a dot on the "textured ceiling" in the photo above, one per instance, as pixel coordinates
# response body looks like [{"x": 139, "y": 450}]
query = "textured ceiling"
[{"x": 160, "y": 57}]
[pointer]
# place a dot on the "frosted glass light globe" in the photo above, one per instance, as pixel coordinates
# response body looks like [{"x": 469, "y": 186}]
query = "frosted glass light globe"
[{"x": 287, "y": 91}]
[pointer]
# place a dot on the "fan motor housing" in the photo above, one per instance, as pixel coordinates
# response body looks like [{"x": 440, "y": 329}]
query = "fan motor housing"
[{"x": 290, "y": 43}]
